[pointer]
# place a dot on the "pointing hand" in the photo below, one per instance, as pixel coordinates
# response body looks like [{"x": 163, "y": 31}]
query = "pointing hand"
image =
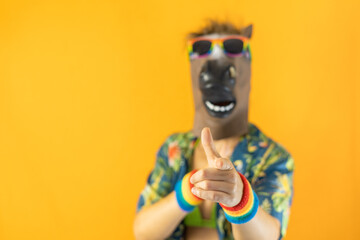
[{"x": 219, "y": 182}]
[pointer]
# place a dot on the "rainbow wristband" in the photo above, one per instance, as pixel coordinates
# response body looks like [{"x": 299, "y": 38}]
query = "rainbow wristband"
[
  {"x": 246, "y": 209},
  {"x": 185, "y": 198}
]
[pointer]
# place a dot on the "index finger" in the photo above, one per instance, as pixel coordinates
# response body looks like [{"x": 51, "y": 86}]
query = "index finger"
[{"x": 209, "y": 147}]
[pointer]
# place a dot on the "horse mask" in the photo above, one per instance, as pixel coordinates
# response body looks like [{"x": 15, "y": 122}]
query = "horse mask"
[{"x": 221, "y": 86}]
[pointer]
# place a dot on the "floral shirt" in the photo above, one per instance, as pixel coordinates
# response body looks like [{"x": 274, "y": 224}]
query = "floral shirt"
[{"x": 265, "y": 163}]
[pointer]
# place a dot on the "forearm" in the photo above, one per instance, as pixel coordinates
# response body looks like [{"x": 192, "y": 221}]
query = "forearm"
[
  {"x": 159, "y": 220},
  {"x": 262, "y": 226}
]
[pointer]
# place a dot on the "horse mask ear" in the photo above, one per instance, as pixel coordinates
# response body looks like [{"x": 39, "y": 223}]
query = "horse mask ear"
[{"x": 247, "y": 31}]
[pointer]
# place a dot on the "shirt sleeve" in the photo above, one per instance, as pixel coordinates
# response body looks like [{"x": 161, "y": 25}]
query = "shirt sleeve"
[
  {"x": 159, "y": 183},
  {"x": 273, "y": 184}
]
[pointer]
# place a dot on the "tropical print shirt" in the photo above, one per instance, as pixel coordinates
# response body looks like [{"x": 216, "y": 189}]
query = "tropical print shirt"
[{"x": 265, "y": 163}]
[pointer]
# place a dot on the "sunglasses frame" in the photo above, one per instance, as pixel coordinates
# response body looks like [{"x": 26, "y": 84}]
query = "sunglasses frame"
[{"x": 220, "y": 43}]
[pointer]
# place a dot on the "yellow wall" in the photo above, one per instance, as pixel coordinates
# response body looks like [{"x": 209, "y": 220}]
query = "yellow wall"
[{"x": 89, "y": 90}]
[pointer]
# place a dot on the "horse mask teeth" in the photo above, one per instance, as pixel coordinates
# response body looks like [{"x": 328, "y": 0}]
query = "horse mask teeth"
[{"x": 221, "y": 87}]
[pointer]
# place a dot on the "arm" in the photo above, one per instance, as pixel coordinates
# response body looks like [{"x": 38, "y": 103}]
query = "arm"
[
  {"x": 158, "y": 213},
  {"x": 262, "y": 226},
  {"x": 274, "y": 190},
  {"x": 273, "y": 183},
  {"x": 159, "y": 220}
]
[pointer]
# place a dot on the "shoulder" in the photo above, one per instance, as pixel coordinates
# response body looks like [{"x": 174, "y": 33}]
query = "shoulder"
[
  {"x": 176, "y": 149},
  {"x": 180, "y": 137},
  {"x": 267, "y": 149},
  {"x": 259, "y": 138},
  {"x": 181, "y": 141}
]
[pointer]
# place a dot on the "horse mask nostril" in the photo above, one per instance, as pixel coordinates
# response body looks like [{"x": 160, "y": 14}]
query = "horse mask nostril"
[
  {"x": 204, "y": 76},
  {"x": 232, "y": 71}
]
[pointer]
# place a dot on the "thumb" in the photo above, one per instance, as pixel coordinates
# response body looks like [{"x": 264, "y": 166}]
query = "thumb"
[{"x": 209, "y": 147}]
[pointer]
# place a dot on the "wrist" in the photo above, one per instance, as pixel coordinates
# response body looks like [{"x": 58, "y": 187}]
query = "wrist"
[
  {"x": 186, "y": 200},
  {"x": 246, "y": 209}
]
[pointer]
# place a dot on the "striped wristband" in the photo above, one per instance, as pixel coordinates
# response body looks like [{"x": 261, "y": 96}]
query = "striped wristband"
[
  {"x": 185, "y": 198},
  {"x": 246, "y": 209}
]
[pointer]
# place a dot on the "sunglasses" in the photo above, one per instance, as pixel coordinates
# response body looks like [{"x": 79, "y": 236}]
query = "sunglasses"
[{"x": 232, "y": 46}]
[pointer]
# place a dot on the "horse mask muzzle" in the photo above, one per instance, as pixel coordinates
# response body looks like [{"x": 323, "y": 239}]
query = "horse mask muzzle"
[{"x": 216, "y": 83}]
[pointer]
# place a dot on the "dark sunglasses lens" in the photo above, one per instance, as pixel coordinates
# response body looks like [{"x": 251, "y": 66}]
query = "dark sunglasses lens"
[
  {"x": 201, "y": 47},
  {"x": 233, "y": 46}
]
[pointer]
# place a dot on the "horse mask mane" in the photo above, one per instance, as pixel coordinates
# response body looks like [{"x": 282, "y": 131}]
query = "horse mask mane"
[{"x": 221, "y": 87}]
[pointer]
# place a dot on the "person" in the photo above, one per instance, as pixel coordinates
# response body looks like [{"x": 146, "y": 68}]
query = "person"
[{"x": 224, "y": 179}]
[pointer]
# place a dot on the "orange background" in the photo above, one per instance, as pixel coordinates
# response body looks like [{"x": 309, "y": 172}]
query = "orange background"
[{"x": 90, "y": 89}]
